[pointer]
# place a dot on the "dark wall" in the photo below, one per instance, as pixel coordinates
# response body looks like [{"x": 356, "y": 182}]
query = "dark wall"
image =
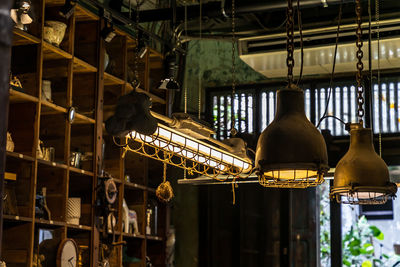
[{"x": 255, "y": 232}]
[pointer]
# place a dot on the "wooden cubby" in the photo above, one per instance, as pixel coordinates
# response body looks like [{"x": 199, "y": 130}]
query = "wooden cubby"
[{"x": 78, "y": 79}]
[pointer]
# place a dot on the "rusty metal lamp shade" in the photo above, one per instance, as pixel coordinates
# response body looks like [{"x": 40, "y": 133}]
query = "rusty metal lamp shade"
[
  {"x": 291, "y": 152},
  {"x": 361, "y": 176}
]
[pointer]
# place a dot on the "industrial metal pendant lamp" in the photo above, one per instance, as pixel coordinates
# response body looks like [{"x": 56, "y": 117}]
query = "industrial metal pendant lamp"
[
  {"x": 291, "y": 152},
  {"x": 361, "y": 176}
]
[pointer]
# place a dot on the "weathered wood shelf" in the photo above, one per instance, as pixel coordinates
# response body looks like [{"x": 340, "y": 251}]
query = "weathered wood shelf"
[
  {"x": 78, "y": 79},
  {"x": 20, "y": 97},
  {"x": 24, "y": 38}
]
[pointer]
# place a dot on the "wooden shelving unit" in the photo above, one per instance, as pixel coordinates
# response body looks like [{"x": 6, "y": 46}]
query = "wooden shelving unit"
[{"x": 80, "y": 80}]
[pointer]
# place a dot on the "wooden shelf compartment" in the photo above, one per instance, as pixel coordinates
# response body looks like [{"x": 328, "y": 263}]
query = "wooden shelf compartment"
[
  {"x": 136, "y": 168},
  {"x": 25, "y": 67},
  {"x": 83, "y": 241},
  {"x": 47, "y": 239},
  {"x": 155, "y": 250},
  {"x": 112, "y": 162},
  {"x": 52, "y": 134},
  {"x": 54, "y": 180},
  {"x": 84, "y": 95},
  {"x": 133, "y": 253},
  {"x": 21, "y": 126},
  {"x": 135, "y": 200},
  {"x": 82, "y": 141},
  {"x": 116, "y": 55},
  {"x": 87, "y": 39},
  {"x": 16, "y": 243},
  {"x": 19, "y": 192},
  {"x": 57, "y": 77},
  {"x": 81, "y": 186},
  {"x": 21, "y": 37}
]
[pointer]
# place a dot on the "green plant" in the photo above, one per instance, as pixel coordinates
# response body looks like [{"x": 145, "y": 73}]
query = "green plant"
[{"x": 358, "y": 247}]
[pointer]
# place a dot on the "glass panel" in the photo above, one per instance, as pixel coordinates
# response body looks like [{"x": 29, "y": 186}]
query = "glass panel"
[
  {"x": 250, "y": 113},
  {"x": 263, "y": 111}
]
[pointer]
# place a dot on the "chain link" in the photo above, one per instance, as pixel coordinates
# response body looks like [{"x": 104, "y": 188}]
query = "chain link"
[
  {"x": 359, "y": 65},
  {"x": 290, "y": 40}
]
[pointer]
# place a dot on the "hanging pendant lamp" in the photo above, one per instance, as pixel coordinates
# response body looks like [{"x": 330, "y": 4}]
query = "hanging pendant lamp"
[
  {"x": 361, "y": 176},
  {"x": 291, "y": 152}
]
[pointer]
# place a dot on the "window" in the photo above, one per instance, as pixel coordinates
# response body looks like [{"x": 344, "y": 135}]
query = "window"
[{"x": 254, "y": 109}]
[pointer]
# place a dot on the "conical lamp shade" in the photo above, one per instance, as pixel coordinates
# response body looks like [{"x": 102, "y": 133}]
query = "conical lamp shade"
[
  {"x": 361, "y": 176},
  {"x": 291, "y": 152}
]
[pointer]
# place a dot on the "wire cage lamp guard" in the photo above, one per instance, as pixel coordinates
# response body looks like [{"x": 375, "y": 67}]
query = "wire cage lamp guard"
[
  {"x": 293, "y": 178},
  {"x": 180, "y": 150}
]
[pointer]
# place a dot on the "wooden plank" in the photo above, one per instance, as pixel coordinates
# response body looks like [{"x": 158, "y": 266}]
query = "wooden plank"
[
  {"x": 82, "y": 14},
  {"x": 49, "y": 108},
  {"x": 112, "y": 80},
  {"x": 81, "y": 66},
  {"x": 52, "y": 52},
  {"x": 19, "y": 97},
  {"x": 21, "y": 37},
  {"x": 82, "y": 119}
]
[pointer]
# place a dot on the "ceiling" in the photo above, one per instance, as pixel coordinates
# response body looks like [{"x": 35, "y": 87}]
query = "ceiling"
[{"x": 254, "y": 17}]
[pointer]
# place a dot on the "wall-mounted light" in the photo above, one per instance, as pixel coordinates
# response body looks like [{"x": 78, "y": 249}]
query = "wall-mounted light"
[{"x": 170, "y": 82}]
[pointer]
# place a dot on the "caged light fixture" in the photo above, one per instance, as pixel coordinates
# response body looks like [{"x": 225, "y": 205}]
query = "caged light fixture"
[
  {"x": 361, "y": 176},
  {"x": 291, "y": 152},
  {"x": 190, "y": 153}
]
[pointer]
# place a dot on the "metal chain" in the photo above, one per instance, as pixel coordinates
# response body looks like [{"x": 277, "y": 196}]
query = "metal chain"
[
  {"x": 233, "y": 130},
  {"x": 290, "y": 40},
  {"x": 185, "y": 73},
  {"x": 200, "y": 36},
  {"x": 359, "y": 65}
]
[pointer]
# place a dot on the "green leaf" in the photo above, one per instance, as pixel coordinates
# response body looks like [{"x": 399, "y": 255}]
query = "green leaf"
[
  {"x": 366, "y": 264},
  {"x": 375, "y": 230},
  {"x": 367, "y": 249},
  {"x": 355, "y": 242},
  {"x": 355, "y": 251},
  {"x": 381, "y": 236},
  {"x": 346, "y": 262},
  {"x": 385, "y": 256}
]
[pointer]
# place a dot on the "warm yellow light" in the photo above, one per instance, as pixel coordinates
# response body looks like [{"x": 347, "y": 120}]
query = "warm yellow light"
[
  {"x": 291, "y": 174},
  {"x": 363, "y": 195},
  {"x": 186, "y": 146}
]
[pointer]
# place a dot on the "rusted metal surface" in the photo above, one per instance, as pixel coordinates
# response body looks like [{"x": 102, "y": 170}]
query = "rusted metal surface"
[{"x": 5, "y": 57}]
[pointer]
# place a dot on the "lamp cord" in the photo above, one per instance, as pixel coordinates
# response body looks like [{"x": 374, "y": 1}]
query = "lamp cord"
[
  {"x": 299, "y": 22},
  {"x": 334, "y": 64},
  {"x": 290, "y": 41},
  {"x": 233, "y": 130},
  {"x": 359, "y": 65},
  {"x": 137, "y": 45},
  {"x": 377, "y": 15}
]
